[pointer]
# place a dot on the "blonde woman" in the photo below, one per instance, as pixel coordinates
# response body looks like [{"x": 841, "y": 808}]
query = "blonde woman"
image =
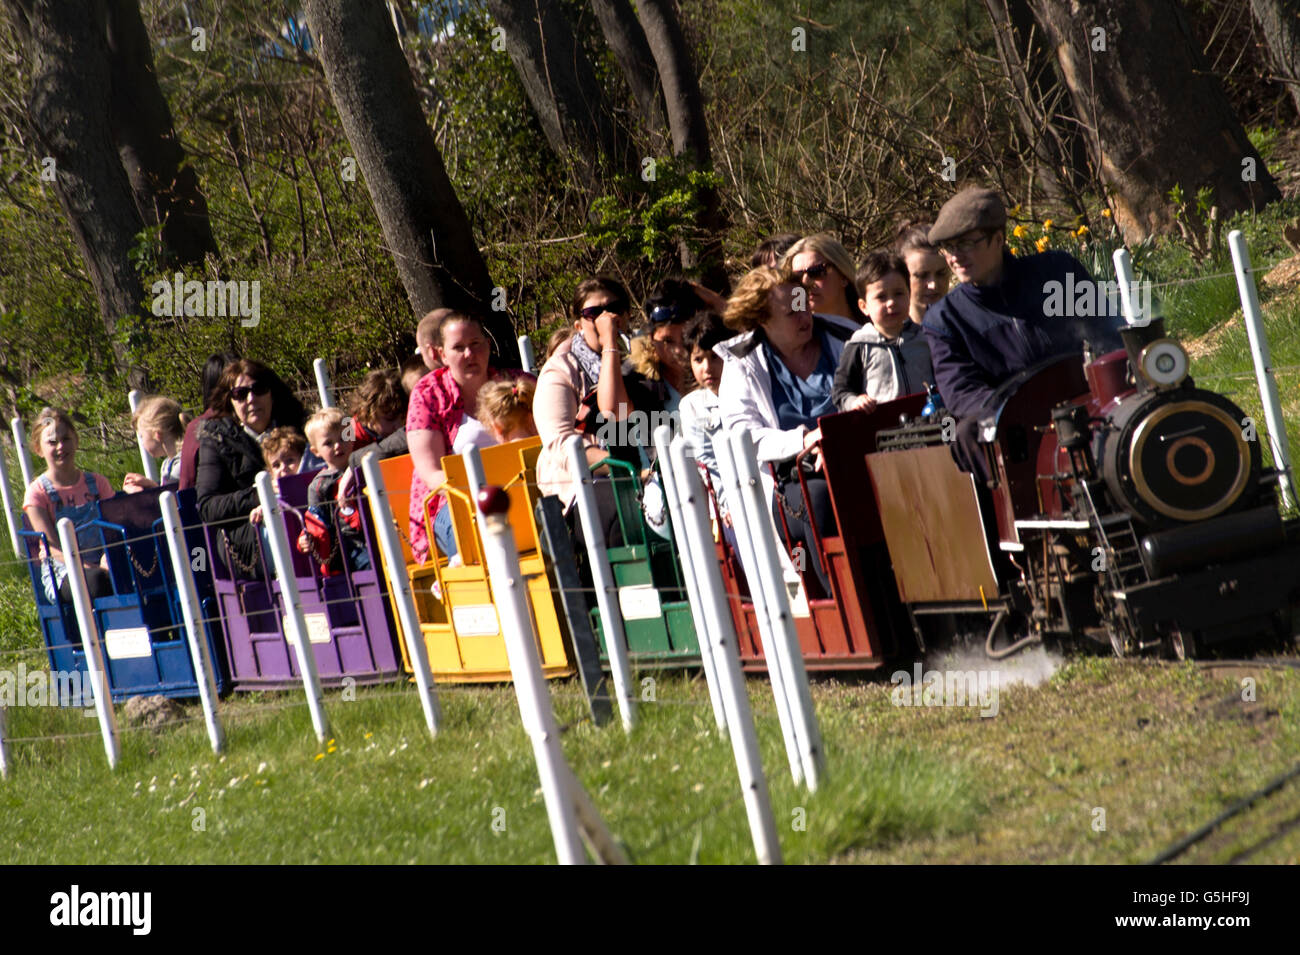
[{"x": 825, "y": 270}]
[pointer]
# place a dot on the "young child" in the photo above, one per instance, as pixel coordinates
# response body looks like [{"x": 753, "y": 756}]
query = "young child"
[
  {"x": 888, "y": 358},
  {"x": 282, "y": 453},
  {"x": 63, "y": 490},
  {"x": 159, "y": 426},
  {"x": 282, "y": 450},
  {"x": 324, "y": 511},
  {"x": 700, "y": 414},
  {"x": 505, "y": 409}
]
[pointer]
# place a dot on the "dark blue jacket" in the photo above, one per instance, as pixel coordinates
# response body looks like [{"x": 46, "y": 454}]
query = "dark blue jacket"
[{"x": 982, "y": 335}]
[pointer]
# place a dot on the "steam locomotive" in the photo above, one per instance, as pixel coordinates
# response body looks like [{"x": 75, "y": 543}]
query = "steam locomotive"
[{"x": 1125, "y": 505}]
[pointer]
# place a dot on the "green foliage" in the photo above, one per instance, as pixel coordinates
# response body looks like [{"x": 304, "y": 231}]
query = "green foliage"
[{"x": 653, "y": 215}]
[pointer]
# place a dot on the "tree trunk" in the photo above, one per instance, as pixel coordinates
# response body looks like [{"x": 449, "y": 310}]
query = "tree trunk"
[
  {"x": 1143, "y": 101},
  {"x": 627, "y": 41},
  {"x": 68, "y": 106},
  {"x": 1279, "y": 21},
  {"x": 424, "y": 223},
  {"x": 562, "y": 87},
  {"x": 1060, "y": 158},
  {"x": 689, "y": 126},
  {"x": 165, "y": 193}
]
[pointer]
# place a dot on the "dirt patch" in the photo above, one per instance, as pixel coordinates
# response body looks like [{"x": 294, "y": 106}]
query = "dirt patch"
[
  {"x": 1286, "y": 273},
  {"x": 1209, "y": 343}
]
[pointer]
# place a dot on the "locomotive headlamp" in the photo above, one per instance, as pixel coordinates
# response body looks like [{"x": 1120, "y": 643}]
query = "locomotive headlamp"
[{"x": 1163, "y": 363}]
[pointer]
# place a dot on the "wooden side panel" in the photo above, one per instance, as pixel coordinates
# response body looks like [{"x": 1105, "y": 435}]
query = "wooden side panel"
[{"x": 931, "y": 517}]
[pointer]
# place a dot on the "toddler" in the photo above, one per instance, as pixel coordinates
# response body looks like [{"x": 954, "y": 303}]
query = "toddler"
[
  {"x": 505, "y": 409},
  {"x": 888, "y": 358},
  {"x": 159, "y": 426},
  {"x": 329, "y": 518}
]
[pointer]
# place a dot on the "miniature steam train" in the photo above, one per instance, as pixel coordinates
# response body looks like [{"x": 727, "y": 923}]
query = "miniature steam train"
[{"x": 1125, "y": 506}]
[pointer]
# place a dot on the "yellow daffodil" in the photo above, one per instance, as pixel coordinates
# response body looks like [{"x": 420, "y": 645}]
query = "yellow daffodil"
[
  {"x": 1020, "y": 231},
  {"x": 1014, "y": 210},
  {"x": 320, "y": 756},
  {"x": 1083, "y": 230},
  {"x": 1041, "y": 244},
  {"x": 1047, "y": 224},
  {"x": 1106, "y": 213}
]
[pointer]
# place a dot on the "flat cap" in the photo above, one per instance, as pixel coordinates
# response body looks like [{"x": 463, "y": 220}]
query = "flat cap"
[{"x": 972, "y": 208}]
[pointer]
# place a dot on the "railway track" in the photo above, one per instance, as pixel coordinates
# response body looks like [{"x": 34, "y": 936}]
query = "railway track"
[{"x": 1273, "y": 807}]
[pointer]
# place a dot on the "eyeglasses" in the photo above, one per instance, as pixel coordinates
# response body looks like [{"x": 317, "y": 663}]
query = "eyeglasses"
[
  {"x": 954, "y": 247},
  {"x": 241, "y": 394},
  {"x": 592, "y": 312},
  {"x": 812, "y": 272}
]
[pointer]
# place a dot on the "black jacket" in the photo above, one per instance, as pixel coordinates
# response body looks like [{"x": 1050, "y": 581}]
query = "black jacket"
[
  {"x": 229, "y": 459},
  {"x": 982, "y": 335}
]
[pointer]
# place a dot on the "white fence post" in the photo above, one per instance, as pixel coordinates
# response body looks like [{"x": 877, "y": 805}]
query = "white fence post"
[
  {"x": 740, "y": 524},
  {"x": 323, "y": 383},
  {"x": 1124, "y": 279},
  {"x": 90, "y": 641},
  {"x": 602, "y": 579},
  {"x": 1259, "y": 353},
  {"x": 509, "y": 593},
  {"x": 4, "y": 743},
  {"x": 399, "y": 584},
  {"x": 692, "y": 572},
  {"x": 20, "y": 445},
  {"x": 786, "y": 640},
  {"x": 135, "y": 396},
  {"x": 527, "y": 360},
  {"x": 11, "y": 511},
  {"x": 694, "y": 509},
  {"x": 195, "y": 629},
  {"x": 294, "y": 622}
]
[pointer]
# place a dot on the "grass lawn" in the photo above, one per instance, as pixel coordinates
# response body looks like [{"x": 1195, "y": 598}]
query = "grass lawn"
[{"x": 1159, "y": 748}]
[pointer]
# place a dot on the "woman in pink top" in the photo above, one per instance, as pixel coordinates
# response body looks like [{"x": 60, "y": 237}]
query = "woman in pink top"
[{"x": 434, "y": 417}]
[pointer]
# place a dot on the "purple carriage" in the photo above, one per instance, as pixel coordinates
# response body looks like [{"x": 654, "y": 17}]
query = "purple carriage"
[{"x": 349, "y": 624}]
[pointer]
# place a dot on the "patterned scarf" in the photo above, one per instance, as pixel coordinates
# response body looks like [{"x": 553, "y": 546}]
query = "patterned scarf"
[{"x": 588, "y": 362}]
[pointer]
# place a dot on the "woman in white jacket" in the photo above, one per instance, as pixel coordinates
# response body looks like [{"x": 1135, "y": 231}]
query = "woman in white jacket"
[{"x": 776, "y": 382}]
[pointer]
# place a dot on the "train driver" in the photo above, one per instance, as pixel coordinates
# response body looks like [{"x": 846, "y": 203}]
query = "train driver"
[{"x": 994, "y": 323}]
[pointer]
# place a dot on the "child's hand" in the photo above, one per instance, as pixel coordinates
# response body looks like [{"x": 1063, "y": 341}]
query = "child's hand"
[
  {"x": 304, "y": 543},
  {"x": 255, "y": 516},
  {"x": 862, "y": 403},
  {"x": 346, "y": 485},
  {"x": 137, "y": 482}
]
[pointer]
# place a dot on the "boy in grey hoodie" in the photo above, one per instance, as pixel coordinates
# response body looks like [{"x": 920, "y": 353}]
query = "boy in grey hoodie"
[{"x": 888, "y": 358}]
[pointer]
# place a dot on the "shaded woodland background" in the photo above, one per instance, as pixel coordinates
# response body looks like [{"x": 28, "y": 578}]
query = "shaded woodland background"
[{"x": 365, "y": 161}]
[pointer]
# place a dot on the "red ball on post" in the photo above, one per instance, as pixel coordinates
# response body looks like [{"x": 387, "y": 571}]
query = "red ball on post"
[{"x": 493, "y": 500}]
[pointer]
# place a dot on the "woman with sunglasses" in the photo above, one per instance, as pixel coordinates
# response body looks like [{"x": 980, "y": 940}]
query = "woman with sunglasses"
[
  {"x": 776, "y": 382},
  {"x": 248, "y": 402},
  {"x": 581, "y": 389},
  {"x": 825, "y": 270}
]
